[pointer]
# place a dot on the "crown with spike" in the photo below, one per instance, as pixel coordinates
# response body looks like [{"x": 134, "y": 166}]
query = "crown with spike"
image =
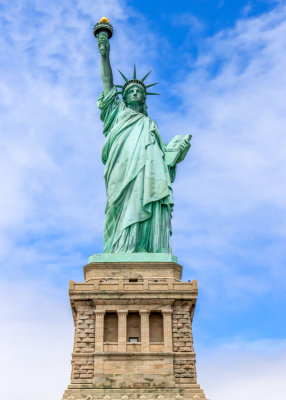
[{"x": 135, "y": 81}]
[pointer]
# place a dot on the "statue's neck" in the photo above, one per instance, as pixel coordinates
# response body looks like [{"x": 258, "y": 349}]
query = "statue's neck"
[{"x": 136, "y": 107}]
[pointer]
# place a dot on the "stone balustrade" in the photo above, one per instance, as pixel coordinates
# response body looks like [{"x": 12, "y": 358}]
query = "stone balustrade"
[{"x": 124, "y": 285}]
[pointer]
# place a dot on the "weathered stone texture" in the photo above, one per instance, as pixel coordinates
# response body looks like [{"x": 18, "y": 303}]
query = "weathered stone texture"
[
  {"x": 84, "y": 328},
  {"x": 82, "y": 363},
  {"x": 184, "y": 366},
  {"x": 182, "y": 328},
  {"x": 82, "y": 369}
]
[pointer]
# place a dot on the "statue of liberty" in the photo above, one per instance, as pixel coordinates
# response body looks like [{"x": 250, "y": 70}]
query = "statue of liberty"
[{"x": 139, "y": 167}]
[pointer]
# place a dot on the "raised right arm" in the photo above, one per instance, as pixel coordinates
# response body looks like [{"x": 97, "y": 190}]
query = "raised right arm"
[{"x": 105, "y": 68}]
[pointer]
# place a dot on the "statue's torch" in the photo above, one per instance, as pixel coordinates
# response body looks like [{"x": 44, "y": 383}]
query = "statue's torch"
[{"x": 103, "y": 26}]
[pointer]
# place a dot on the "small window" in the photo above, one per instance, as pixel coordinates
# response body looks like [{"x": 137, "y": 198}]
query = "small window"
[
  {"x": 133, "y": 280},
  {"x": 133, "y": 339}
]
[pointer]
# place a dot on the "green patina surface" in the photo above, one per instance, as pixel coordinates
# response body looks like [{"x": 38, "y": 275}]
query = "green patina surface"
[
  {"x": 132, "y": 257},
  {"x": 139, "y": 170}
]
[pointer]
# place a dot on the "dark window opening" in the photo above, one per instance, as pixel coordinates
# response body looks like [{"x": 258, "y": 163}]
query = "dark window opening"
[
  {"x": 110, "y": 327},
  {"x": 156, "y": 327},
  {"x": 134, "y": 325}
]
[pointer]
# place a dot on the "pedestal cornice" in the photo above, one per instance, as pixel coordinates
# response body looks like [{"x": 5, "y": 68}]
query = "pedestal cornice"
[{"x": 132, "y": 270}]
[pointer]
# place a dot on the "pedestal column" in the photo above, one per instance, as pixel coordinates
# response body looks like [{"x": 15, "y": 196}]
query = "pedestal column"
[
  {"x": 145, "y": 330},
  {"x": 99, "y": 329},
  {"x": 122, "y": 329},
  {"x": 167, "y": 326}
]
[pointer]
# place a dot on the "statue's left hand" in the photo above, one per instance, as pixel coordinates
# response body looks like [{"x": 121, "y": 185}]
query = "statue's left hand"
[{"x": 184, "y": 148}]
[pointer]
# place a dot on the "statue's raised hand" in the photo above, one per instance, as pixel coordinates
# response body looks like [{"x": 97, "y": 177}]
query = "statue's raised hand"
[{"x": 103, "y": 44}]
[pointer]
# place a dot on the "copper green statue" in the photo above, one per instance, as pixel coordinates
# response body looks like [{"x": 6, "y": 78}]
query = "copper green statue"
[{"x": 139, "y": 167}]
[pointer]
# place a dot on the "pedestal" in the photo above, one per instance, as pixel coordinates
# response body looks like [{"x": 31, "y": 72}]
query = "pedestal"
[{"x": 133, "y": 330}]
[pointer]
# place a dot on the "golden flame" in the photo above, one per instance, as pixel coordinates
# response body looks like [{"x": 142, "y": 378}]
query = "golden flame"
[{"x": 104, "y": 19}]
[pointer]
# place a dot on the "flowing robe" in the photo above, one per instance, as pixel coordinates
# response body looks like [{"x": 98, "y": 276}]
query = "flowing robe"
[{"x": 137, "y": 180}]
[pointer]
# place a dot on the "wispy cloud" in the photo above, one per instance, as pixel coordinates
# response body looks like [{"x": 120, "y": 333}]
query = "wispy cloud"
[
  {"x": 244, "y": 370},
  {"x": 36, "y": 342},
  {"x": 194, "y": 24}
]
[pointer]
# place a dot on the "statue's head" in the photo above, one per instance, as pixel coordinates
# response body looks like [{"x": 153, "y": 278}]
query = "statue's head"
[
  {"x": 135, "y": 95},
  {"x": 134, "y": 91}
]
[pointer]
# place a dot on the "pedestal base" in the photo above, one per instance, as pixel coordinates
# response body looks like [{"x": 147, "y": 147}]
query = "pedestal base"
[
  {"x": 133, "y": 331},
  {"x": 193, "y": 392}
]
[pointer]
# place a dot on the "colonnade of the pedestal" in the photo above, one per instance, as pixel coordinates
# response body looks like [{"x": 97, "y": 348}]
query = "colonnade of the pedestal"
[{"x": 122, "y": 330}]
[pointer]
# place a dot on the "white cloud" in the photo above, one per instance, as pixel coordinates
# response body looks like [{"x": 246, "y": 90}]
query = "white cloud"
[
  {"x": 194, "y": 24},
  {"x": 36, "y": 341},
  {"x": 243, "y": 370}
]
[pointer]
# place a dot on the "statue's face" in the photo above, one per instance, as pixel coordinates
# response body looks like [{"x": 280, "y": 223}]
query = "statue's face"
[{"x": 135, "y": 95}]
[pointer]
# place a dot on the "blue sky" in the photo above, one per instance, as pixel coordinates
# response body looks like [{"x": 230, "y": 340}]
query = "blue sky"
[{"x": 221, "y": 67}]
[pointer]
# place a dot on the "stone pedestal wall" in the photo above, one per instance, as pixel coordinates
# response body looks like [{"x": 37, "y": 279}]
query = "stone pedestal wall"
[
  {"x": 133, "y": 366},
  {"x": 184, "y": 356}
]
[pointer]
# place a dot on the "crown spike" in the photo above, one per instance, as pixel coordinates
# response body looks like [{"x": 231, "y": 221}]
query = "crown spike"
[
  {"x": 119, "y": 86},
  {"x": 152, "y": 94},
  {"x": 134, "y": 72},
  {"x": 119, "y": 92},
  {"x": 143, "y": 79},
  {"x": 123, "y": 76},
  {"x": 152, "y": 84}
]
